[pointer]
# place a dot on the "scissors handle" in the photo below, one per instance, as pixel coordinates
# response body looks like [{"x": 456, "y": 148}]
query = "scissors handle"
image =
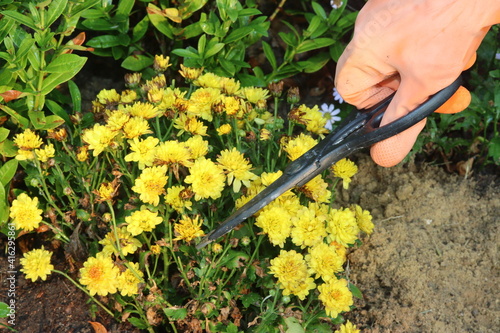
[{"x": 359, "y": 130}]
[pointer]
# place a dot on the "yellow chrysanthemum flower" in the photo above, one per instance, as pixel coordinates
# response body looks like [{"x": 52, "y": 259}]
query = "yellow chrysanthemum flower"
[
  {"x": 36, "y": 264},
  {"x": 150, "y": 184},
  {"x": 100, "y": 275},
  {"x": 155, "y": 249},
  {"x": 345, "y": 169},
  {"x": 317, "y": 190},
  {"x": 291, "y": 271},
  {"x": 315, "y": 121},
  {"x": 128, "y": 244},
  {"x": 190, "y": 73},
  {"x": 265, "y": 134},
  {"x": 188, "y": 228},
  {"x": 28, "y": 140},
  {"x": 335, "y": 296},
  {"x": 24, "y": 212},
  {"x": 224, "y": 129},
  {"x": 197, "y": 146},
  {"x": 342, "y": 227},
  {"x": 143, "y": 110},
  {"x": 173, "y": 153},
  {"x": 143, "y": 151},
  {"x": 83, "y": 154},
  {"x": 363, "y": 218},
  {"x": 254, "y": 94},
  {"x": 117, "y": 120},
  {"x": 190, "y": 124},
  {"x": 135, "y": 127},
  {"x": 23, "y": 155},
  {"x": 108, "y": 97},
  {"x": 236, "y": 167},
  {"x": 206, "y": 179},
  {"x": 230, "y": 86},
  {"x": 201, "y": 101},
  {"x": 209, "y": 80},
  {"x": 128, "y": 281},
  {"x": 106, "y": 192},
  {"x": 155, "y": 95},
  {"x": 298, "y": 146},
  {"x": 98, "y": 138},
  {"x": 348, "y": 327},
  {"x": 128, "y": 96},
  {"x": 45, "y": 153},
  {"x": 232, "y": 105},
  {"x": 142, "y": 220},
  {"x": 276, "y": 222},
  {"x": 161, "y": 63},
  {"x": 175, "y": 199},
  {"x": 324, "y": 261},
  {"x": 307, "y": 228}
]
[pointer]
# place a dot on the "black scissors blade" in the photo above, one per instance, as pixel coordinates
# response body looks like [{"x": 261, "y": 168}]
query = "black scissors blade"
[{"x": 359, "y": 130}]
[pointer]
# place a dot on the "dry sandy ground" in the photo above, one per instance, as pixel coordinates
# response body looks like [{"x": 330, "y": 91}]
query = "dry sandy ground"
[{"x": 431, "y": 264}]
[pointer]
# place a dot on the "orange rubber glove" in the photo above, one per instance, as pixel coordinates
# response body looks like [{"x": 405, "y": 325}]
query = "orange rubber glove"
[{"x": 416, "y": 47}]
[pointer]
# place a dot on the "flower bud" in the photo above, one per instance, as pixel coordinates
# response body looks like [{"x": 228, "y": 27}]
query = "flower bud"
[{"x": 293, "y": 95}]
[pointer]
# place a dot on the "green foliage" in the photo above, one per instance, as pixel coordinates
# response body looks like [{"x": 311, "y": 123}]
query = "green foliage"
[
  {"x": 474, "y": 132},
  {"x": 35, "y": 58}
]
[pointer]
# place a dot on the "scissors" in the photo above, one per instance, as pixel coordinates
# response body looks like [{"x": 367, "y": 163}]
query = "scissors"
[{"x": 360, "y": 129}]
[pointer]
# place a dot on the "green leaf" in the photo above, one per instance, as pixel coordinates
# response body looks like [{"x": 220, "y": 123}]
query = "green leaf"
[
  {"x": 289, "y": 39},
  {"x": 494, "y": 149},
  {"x": 82, "y": 6},
  {"x": 63, "y": 63},
  {"x": 55, "y": 10},
  {"x": 315, "y": 63},
  {"x": 293, "y": 325},
  {"x": 174, "y": 313},
  {"x": 99, "y": 24},
  {"x": 125, "y": 7},
  {"x": 268, "y": 52},
  {"x": 7, "y": 171},
  {"x": 23, "y": 122},
  {"x": 355, "y": 291},
  {"x": 8, "y": 149},
  {"x": 314, "y": 44},
  {"x": 318, "y": 9},
  {"x": 251, "y": 298},
  {"x": 55, "y": 79},
  {"x": 56, "y": 109},
  {"x": 18, "y": 17},
  {"x": 137, "y": 322},
  {"x": 106, "y": 41},
  {"x": 336, "y": 51},
  {"x": 186, "y": 53},
  {"x": 202, "y": 42},
  {"x": 159, "y": 21},
  {"x": 137, "y": 62},
  {"x": 234, "y": 259},
  {"x": 4, "y": 133},
  {"x": 238, "y": 34},
  {"x": 140, "y": 29},
  {"x": 4, "y": 310},
  {"x": 76, "y": 97},
  {"x": 214, "y": 49}
]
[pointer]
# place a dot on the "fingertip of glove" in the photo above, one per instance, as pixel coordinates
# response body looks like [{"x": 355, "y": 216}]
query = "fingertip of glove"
[
  {"x": 458, "y": 102},
  {"x": 391, "y": 151}
]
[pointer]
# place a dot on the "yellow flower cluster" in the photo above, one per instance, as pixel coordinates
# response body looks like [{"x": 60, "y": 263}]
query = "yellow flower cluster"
[
  {"x": 102, "y": 276},
  {"x": 29, "y": 144}
]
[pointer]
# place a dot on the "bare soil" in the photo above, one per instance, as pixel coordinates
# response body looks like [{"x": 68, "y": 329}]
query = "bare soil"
[{"x": 432, "y": 263}]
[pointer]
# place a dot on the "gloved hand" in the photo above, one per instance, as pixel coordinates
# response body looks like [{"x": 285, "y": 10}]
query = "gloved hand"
[{"x": 416, "y": 47}]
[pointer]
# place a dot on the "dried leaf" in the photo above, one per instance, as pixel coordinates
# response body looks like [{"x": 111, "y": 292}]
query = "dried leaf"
[
  {"x": 10, "y": 95},
  {"x": 98, "y": 328}
]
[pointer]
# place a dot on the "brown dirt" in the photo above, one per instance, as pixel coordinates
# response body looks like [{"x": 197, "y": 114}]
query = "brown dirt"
[{"x": 431, "y": 264}]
